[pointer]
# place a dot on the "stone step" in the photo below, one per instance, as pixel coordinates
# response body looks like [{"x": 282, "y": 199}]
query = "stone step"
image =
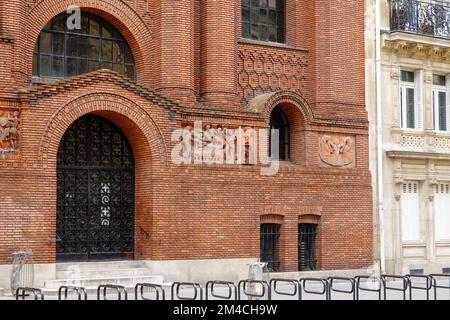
[
  {"x": 104, "y": 273},
  {"x": 93, "y": 266},
  {"x": 95, "y": 282}
]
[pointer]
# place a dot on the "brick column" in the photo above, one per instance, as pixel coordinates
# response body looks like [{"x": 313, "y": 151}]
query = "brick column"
[
  {"x": 218, "y": 52},
  {"x": 177, "y": 49}
]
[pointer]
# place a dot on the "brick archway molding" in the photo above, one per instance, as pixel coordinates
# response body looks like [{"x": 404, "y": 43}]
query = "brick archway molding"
[
  {"x": 127, "y": 115},
  {"x": 146, "y": 140},
  {"x": 118, "y": 13}
]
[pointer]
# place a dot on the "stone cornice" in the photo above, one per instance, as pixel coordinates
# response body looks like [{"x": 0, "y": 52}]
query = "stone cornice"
[
  {"x": 417, "y": 155},
  {"x": 417, "y": 46}
]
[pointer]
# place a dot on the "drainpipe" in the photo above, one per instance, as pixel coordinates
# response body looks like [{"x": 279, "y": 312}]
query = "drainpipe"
[{"x": 380, "y": 186}]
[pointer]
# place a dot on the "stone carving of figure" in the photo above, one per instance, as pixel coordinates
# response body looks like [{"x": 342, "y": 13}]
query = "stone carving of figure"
[
  {"x": 186, "y": 142},
  {"x": 230, "y": 146},
  {"x": 9, "y": 131},
  {"x": 208, "y": 147},
  {"x": 336, "y": 151},
  {"x": 218, "y": 144}
]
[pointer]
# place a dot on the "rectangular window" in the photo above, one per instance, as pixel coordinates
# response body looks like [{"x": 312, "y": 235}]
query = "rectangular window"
[
  {"x": 410, "y": 212},
  {"x": 270, "y": 238},
  {"x": 442, "y": 212},
  {"x": 263, "y": 20},
  {"x": 307, "y": 234},
  {"x": 440, "y": 106},
  {"x": 410, "y": 100}
]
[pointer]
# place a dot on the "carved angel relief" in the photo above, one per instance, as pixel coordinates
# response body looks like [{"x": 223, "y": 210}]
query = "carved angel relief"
[
  {"x": 9, "y": 130},
  {"x": 337, "y": 151}
]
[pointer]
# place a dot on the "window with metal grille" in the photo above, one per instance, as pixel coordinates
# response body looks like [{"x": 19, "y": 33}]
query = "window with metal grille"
[
  {"x": 279, "y": 121},
  {"x": 307, "y": 234},
  {"x": 270, "y": 238},
  {"x": 264, "y": 20},
  {"x": 61, "y": 52}
]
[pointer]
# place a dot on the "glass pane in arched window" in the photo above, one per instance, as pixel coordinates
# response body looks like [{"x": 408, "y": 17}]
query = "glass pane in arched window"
[
  {"x": 61, "y": 52},
  {"x": 279, "y": 121},
  {"x": 263, "y": 20}
]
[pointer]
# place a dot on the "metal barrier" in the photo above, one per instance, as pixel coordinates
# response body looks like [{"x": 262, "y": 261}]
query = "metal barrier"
[
  {"x": 81, "y": 292},
  {"x": 243, "y": 288},
  {"x": 160, "y": 293},
  {"x": 427, "y": 288},
  {"x": 436, "y": 286},
  {"x": 331, "y": 288},
  {"x": 198, "y": 291},
  {"x": 22, "y": 272},
  {"x": 37, "y": 293},
  {"x": 359, "y": 288},
  {"x": 232, "y": 290},
  {"x": 295, "y": 283},
  {"x": 404, "y": 288},
  {"x": 324, "y": 291},
  {"x": 119, "y": 289}
]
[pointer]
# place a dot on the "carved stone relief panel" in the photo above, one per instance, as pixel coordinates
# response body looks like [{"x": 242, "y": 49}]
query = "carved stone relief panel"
[
  {"x": 337, "y": 150},
  {"x": 9, "y": 129}
]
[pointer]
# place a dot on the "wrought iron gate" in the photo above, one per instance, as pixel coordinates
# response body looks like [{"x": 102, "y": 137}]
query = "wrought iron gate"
[
  {"x": 270, "y": 238},
  {"x": 307, "y": 234},
  {"x": 95, "y": 203}
]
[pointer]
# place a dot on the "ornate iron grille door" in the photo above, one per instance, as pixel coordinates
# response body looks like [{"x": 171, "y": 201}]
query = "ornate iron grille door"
[
  {"x": 95, "y": 203},
  {"x": 270, "y": 238},
  {"x": 307, "y": 247}
]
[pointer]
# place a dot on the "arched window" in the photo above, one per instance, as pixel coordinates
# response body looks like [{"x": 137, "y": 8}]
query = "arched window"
[
  {"x": 264, "y": 20},
  {"x": 62, "y": 53},
  {"x": 279, "y": 121}
]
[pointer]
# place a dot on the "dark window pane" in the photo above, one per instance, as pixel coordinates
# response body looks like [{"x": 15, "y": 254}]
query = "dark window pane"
[
  {"x": 107, "y": 31},
  {"x": 438, "y": 80},
  {"x": 260, "y": 17},
  {"x": 58, "y": 67},
  {"x": 273, "y": 34},
  {"x": 410, "y": 111},
  {"x": 84, "y": 23},
  {"x": 35, "y": 64},
  {"x": 59, "y": 23},
  {"x": 82, "y": 66},
  {"x": 93, "y": 65},
  {"x": 107, "y": 50},
  {"x": 129, "y": 71},
  {"x": 94, "y": 48},
  {"x": 254, "y": 29},
  {"x": 263, "y": 33},
  {"x": 58, "y": 43},
  {"x": 279, "y": 121},
  {"x": 94, "y": 27},
  {"x": 71, "y": 67},
  {"x": 246, "y": 30},
  {"x": 407, "y": 76},
  {"x": 45, "y": 66},
  {"x": 117, "y": 67},
  {"x": 254, "y": 15},
  {"x": 442, "y": 111},
  {"x": 83, "y": 45},
  {"x": 117, "y": 52},
  {"x": 245, "y": 3},
  {"x": 45, "y": 43},
  {"x": 272, "y": 4},
  {"x": 128, "y": 55},
  {"x": 71, "y": 45},
  {"x": 107, "y": 65},
  {"x": 246, "y": 14}
]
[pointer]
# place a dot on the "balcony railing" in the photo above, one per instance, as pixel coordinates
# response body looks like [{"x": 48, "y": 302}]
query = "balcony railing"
[{"x": 427, "y": 18}]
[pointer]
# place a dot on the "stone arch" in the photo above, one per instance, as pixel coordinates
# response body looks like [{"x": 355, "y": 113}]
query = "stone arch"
[
  {"x": 122, "y": 111},
  {"x": 118, "y": 13}
]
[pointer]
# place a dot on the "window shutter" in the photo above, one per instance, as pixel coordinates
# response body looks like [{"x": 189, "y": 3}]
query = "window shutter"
[
  {"x": 410, "y": 212},
  {"x": 442, "y": 212},
  {"x": 419, "y": 99}
]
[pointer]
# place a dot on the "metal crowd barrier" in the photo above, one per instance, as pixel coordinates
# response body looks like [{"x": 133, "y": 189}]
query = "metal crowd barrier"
[
  {"x": 324, "y": 291},
  {"x": 403, "y": 289},
  {"x": 118, "y": 289},
  {"x": 139, "y": 291},
  {"x": 331, "y": 288},
  {"x": 436, "y": 286},
  {"x": 80, "y": 292},
  {"x": 175, "y": 291},
  {"x": 36, "y": 293},
  {"x": 297, "y": 292},
  {"x": 243, "y": 289},
  {"x": 232, "y": 290},
  {"x": 427, "y": 288},
  {"x": 359, "y": 288}
]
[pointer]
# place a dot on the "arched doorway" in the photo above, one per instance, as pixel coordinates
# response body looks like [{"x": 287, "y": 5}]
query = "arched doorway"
[{"x": 95, "y": 203}]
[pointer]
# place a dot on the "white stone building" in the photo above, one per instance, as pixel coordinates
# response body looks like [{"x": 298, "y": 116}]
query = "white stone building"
[{"x": 408, "y": 99}]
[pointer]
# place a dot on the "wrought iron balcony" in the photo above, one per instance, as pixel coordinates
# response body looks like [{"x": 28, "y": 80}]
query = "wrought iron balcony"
[{"x": 427, "y": 18}]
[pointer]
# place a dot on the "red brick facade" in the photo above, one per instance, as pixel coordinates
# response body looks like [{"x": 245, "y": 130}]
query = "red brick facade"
[{"x": 192, "y": 64}]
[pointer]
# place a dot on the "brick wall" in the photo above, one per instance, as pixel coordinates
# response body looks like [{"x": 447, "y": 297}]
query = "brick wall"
[{"x": 191, "y": 52}]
